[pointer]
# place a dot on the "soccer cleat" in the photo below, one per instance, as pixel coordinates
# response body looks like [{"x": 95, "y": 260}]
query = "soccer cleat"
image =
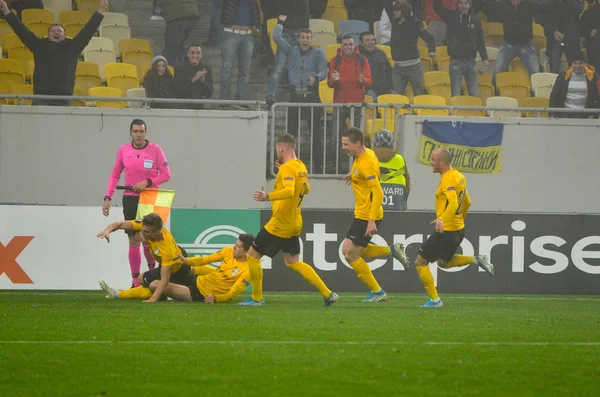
[
  {"x": 399, "y": 253},
  {"x": 111, "y": 293},
  {"x": 432, "y": 304},
  {"x": 331, "y": 299},
  {"x": 482, "y": 262},
  {"x": 376, "y": 297},
  {"x": 251, "y": 302}
]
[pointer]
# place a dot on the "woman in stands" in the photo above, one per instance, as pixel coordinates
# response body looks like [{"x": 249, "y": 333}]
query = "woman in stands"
[{"x": 159, "y": 82}]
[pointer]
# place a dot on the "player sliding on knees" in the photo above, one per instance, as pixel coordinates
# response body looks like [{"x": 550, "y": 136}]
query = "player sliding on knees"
[
  {"x": 282, "y": 232},
  {"x": 208, "y": 285},
  {"x": 452, "y": 202}
]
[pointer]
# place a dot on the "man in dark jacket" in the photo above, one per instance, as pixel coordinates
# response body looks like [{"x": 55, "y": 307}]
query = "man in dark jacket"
[
  {"x": 238, "y": 17},
  {"x": 564, "y": 32},
  {"x": 20, "y": 5},
  {"x": 465, "y": 39},
  {"x": 590, "y": 25},
  {"x": 193, "y": 79},
  {"x": 406, "y": 30},
  {"x": 576, "y": 88},
  {"x": 181, "y": 17},
  {"x": 381, "y": 70},
  {"x": 56, "y": 56}
]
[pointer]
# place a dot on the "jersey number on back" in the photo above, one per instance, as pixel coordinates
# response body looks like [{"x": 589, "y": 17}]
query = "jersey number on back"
[
  {"x": 461, "y": 199},
  {"x": 302, "y": 193}
]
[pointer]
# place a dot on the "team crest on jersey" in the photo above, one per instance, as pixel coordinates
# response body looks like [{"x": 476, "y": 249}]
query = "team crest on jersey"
[
  {"x": 355, "y": 171},
  {"x": 148, "y": 164},
  {"x": 156, "y": 251},
  {"x": 235, "y": 271}
]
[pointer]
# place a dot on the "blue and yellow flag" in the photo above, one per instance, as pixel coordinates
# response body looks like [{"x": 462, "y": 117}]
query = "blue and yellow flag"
[{"x": 475, "y": 147}]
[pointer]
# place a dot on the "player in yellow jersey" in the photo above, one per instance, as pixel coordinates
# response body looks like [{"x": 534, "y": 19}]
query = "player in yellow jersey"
[
  {"x": 368, "y": 213},
  {"x": 452, "y": 202},
  {"x": 209, "y": 285},
  {"x": 282, "y": 232},
  {"x": 163, "y": 248}
]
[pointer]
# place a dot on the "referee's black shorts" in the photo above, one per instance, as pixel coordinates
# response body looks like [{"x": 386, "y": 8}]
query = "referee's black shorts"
[
  {"x": 441, "y": 245},
  {"x": 130, "y": 205}
]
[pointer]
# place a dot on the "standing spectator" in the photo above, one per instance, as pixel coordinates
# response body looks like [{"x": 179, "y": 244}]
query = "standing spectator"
[
  {"x": 576, "y": 88},
  {"x": 564, "y": 32},
  {"x": 381, "y": 70},
  {"x": 158, "y": 82},
  {"x": 385, "y": 23},
  {"x": 238, "y": 17},
  {"x": 145, "y": 166},
  {"x": 365, "y": 10},
  {"x": 181, "y": 17},
  {"x": 517, "y": 18},
  {"x": 193, "y": 79},
  {"x": 590, "y": 25},
  {"x": 307, "y": 66},
  {"x": 406, "y": 30},
  {"x": 56, "y": 56},
  {"x": 393, "y": 172},
  {"x": 465, "y": 39},
  {"x": 350, "y": 77},
  {"x": 317, "y": 8},
  {"x": 215, "y": 24},
  {"x": 20, "y": 5},
  {"x": 299, "y": 18},
  {"x": 436, "y": 26}
]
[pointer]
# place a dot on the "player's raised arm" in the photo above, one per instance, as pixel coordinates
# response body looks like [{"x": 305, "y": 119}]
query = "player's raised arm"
[{"x": 113, "y": 227}]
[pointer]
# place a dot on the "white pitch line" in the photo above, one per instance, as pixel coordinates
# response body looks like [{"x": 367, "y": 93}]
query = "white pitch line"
[{"x": 292, "y": 342}]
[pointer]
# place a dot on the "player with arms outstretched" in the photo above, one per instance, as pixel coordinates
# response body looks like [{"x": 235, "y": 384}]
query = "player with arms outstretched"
[{"x": 282, "y": 232}]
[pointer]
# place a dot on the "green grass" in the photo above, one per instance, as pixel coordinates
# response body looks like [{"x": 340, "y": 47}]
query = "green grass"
[{"x": 80, "y": 344}]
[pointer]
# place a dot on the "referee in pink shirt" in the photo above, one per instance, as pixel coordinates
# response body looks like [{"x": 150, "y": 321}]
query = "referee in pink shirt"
[{"x": 145, "y": 166}]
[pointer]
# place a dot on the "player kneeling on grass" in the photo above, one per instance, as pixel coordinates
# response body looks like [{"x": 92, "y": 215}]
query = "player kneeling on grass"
[
  {"x": 165, "y": 251},
  {"x": 212, "y": 285}
]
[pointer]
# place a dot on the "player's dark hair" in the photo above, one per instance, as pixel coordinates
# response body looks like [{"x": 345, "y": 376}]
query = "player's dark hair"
[
  {"x": 246, "y": 240},
  {"x": 354, "y": 135},
  {"x": 346, "y": 37},
  {"x": 153, "y": 220},
  {"x": 304, "y": 30},
  {"x": 364, "y": 34},
  {"x": 287, "y": 140},
  {"x": 137, "y": 122}
]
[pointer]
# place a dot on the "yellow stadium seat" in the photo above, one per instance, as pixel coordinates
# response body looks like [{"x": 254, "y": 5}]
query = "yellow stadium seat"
[
  {"x": 100, "y": 51},
  {"x": 534, "y": 102},
  {"x": 323, "y": 39},
  {"x": 138, "y": 58},
  {"x": 23, "y": 89},
  {"x": 335, "y": 15},
  {"x": 74, "y": 17},
  {"x": 40, "y": 29},
  {"x": 107, "y": 92},
  {"x": 493, "y": 33},
  {"x": 115, "y": 33},
  {"x": 134, "y": 44},
  {"x": 331, "y": 51},
  {"x": 492, "y": 53},
  {"x": 426, "y": 61},
  {"x": 122, "y": 76},
  {"x": 442, "y": 90},
  {"x": 385, "y": 48},
  {"x": 6, "y": 90},
  {"x": 30, "y": 70},
  {"x": 441, "y": 51},
  {"x": 270, "y": 27},
  {"x": 57, "y": 6},
  {"x": 11, "y": 72},
  {"x": 483, "y": 79},
  {"x": 321, "y": 26},
  {"x": 432, "y": 100},
  {"x": 513, "y": 84},
  {"x": 37, "y": 15},
  {"x": 392, "y": 99},
  {"x": 87, "y": 75},
  {"x": 485, "y": 91},
  {"x": 435, "y": 77},
  {"x": 336, "y": 3},
  {"x": 115, "y": 18},
  {"x": 88, "y": 5},
  {"x": 5, "y": 30},
  {"x": 500, "y": 101},
  {"x": 12, "y": 41},
  {"x": 443, "y": 64},
  {"x": 136, "y": 93},
  {"x": 539, "y": 38},
  {"x": 77, "y": 91},
  {"x": 326, "y": 95},
  {"x": 542, "y": 84},
  {"x": 517, "y": 66},
  {"x": 372, "y": 126},
  {"x": 17, "y": 50},
  {"x": 467, "y": 101}
]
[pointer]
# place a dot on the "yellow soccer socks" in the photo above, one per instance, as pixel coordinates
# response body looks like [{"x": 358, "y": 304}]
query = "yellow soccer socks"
[
  {"x": 136, "y": 293},
  {"x": 256, "y": 277},
  {"x": 374, "y": 251},
  {"x": 365, "y": 275},
  {"x": 427, "y": 280},
  {"x": 460, "y": 260},
  {"x": 309, "y": 274}
]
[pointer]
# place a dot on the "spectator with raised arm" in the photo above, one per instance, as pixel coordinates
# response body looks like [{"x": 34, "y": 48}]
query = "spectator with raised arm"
[{"x": 55, "y": 56}]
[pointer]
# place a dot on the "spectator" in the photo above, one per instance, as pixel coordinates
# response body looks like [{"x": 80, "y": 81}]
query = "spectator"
[
  {"x": 393, "y": 172},
  {"x": 215, "y": 24},
  {"x": 350, "y": 77},
  {"x": 238, "y": 17},
  {"x": 193, "y": 79},
  {"x": 436, "y": 26},
  {"x": 576, "y": 88},
  {"x": 517, "y": 18},
  {"x": 317, "y": 8},
  {"x": 385, "y": 28},
  {"x": 299, "y": 18},
  {"x": 20, "y": 5},
  {"x": 269, "y": 10},
  {"x": 158, "y": 82},
  {"x": 406, "y": 30},
  {"x": 181, "y": 17},
  {"x": 307, "y": 66},
  {"x": 565, "y": 32},
  {"x": 56, "y": 56},
  {"x": 465, "y": 39},
  {"x": 381, "y": 70},
  {"x": 590, "y": 25}
]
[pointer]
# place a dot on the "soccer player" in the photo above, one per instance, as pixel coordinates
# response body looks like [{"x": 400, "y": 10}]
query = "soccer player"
[
  {"x": 282, "y": 232},
  {"x": 368, "y": 213},
  {"x": 144, "y": 165},
  {"x": 165, "y": 251},
  {"x": 215, "y": 285},
  {"x": 452, "y": 202}
]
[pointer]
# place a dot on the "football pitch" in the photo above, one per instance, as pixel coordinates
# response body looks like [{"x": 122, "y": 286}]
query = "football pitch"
[{"x": 74, "y": 343}]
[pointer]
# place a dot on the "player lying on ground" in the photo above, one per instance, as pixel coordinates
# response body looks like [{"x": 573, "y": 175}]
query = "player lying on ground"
[{"x": 212, "y": 285}]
